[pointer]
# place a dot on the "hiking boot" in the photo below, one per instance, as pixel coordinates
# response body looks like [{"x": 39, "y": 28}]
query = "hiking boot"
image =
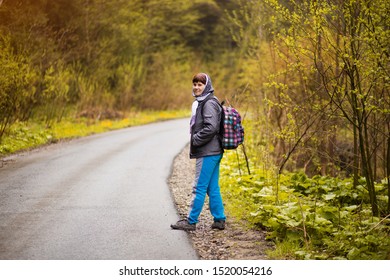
[
  {"x": 218, "y": 225},
  {"x": 184, "y": 225}
]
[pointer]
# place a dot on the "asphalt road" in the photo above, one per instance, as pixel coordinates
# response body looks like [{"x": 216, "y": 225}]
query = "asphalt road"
[{"x": 100, "y": 197}]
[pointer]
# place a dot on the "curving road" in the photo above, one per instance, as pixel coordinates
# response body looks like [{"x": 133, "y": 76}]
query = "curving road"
[{"x": 98, "y": 197}]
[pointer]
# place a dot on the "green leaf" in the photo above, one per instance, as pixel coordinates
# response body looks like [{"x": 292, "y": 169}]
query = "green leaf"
[
  {"x": 353, "y": 254},
  {"x": 329, "y": 196},
  {"x": 351, "y": 207}
]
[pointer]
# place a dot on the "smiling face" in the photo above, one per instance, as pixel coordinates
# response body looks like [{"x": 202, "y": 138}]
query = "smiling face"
[{"x": 198, "y": 88}]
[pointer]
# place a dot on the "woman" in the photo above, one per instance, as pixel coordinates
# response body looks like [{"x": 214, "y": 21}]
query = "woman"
[{"x": 205, "y": 147}]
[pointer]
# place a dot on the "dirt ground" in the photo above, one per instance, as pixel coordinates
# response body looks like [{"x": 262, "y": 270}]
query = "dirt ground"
[{"x": 236, "y": 242}]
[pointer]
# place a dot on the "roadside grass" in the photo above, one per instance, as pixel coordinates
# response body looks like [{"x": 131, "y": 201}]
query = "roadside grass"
[
  {"x": 28, "y": 135},
  {"x": 319, "y": 217},
  {"x": 322, "y": 217}
]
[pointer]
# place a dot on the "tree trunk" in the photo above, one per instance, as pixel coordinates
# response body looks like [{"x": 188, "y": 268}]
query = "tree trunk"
[
  {"x": 388, "y": 171},
  {"x": 366, "y": 166},
  {"x": 355, "y": 154}
]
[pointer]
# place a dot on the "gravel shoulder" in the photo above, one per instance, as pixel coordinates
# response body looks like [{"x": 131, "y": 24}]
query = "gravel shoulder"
[{"x": 236, "y": 242}]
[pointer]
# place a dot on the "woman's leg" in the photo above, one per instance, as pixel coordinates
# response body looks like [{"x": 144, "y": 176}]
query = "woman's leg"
[
  {"x": 205, "y": 167},
  {"x": 214, "y": 192}
]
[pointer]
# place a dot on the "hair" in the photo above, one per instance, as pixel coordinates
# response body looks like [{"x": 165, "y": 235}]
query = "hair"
[{"x": 200, "y": 77}]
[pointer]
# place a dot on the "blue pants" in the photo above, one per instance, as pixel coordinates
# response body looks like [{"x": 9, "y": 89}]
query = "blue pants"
[{"x": 206, "y": 182}]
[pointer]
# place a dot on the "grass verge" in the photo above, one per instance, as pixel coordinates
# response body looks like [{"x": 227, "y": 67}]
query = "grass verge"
[{"x": 28, "y": 135}]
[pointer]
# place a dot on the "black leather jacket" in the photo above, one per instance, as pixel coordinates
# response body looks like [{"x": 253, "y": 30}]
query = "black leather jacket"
[{"x": 205, "y": 138}]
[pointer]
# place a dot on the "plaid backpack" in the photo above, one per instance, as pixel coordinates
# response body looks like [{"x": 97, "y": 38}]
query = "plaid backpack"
[{"x": 232, "y": 131}]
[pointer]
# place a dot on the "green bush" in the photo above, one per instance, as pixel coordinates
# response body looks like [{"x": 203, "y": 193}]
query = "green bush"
[{"x": 320, "y": 217}]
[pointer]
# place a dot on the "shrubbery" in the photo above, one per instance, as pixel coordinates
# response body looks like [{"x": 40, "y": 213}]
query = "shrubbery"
[{"x": 314, "y": 218}]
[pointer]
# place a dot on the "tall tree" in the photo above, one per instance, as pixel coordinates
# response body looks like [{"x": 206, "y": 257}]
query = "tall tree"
[{"x": 327, "y": 67}]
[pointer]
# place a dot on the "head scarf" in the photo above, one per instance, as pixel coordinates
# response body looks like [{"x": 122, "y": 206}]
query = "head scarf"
[{"x": 208, "y": 89}]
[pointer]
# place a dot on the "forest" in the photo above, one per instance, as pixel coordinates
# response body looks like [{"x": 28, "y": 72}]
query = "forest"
[{"x": 310, "y": 78}]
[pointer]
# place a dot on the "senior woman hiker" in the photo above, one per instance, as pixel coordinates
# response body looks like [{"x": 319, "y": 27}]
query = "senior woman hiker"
[{"x": 206, "y": 148}]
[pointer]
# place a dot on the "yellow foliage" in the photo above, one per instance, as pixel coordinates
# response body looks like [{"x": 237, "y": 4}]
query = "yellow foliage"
[{"x": 23, "y": 136}]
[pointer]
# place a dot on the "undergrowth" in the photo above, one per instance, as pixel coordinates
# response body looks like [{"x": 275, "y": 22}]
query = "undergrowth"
[{"x": 307, "y": 218}]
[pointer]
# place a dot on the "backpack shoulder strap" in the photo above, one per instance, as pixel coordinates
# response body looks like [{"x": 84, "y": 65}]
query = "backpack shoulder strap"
[{"x": 213, "y": 99}]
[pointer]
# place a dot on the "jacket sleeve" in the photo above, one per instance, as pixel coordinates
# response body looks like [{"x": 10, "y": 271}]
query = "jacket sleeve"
[{"x": 211, "y": 123}]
